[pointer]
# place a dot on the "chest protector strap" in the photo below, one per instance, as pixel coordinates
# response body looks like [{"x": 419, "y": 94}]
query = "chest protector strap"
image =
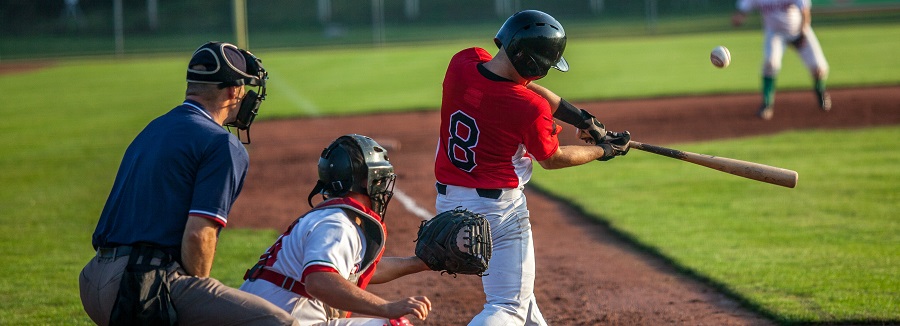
[{"x": 375, "y": 236}]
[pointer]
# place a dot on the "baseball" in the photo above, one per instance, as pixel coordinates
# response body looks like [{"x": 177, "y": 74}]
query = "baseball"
[{"x": 720, "y": 57}]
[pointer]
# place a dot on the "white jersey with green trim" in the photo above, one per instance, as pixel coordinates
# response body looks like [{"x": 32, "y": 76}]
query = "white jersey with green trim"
[{"x": 779, "y": 16}]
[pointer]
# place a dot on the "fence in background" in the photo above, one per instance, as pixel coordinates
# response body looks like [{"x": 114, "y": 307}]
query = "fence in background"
[{"x": 52, "y": 28}]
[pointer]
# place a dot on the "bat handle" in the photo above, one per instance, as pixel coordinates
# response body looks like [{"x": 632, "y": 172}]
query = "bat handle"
[{"x": 673, "y": 153}]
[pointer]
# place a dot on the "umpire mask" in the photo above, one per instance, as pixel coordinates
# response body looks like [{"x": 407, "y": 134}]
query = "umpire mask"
[
  {"x": 226, "y": 65},
  {"x": 356, "y": 163}
]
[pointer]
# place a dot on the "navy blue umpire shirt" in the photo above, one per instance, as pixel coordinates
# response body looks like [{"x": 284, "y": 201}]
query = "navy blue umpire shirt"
[{"x": 183, "y": 163}]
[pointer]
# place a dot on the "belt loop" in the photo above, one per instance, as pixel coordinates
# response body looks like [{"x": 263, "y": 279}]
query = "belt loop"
[
  {"x": 285, "y": 282},
  {"x": 291, "y": 288}
]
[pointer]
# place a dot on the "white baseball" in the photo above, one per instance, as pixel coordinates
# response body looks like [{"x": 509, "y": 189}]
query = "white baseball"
[{"x": 720, "y": 57}]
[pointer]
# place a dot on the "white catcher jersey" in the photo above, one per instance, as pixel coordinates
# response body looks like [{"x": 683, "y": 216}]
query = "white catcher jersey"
[
  {"x": 779, "y": 16},
  {"x": 325, "y": 237}
]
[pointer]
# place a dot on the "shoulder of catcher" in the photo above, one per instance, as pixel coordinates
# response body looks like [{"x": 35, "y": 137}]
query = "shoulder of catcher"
[{"x": 372, "y": 229}]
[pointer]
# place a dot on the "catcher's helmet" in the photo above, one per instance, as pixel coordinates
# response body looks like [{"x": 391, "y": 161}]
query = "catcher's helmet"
[
  {"x": 534, "y": 42},
  {"x": 356, "y": 163}
]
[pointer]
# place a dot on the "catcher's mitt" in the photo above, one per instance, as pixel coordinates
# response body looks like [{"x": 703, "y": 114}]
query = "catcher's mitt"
[{"x": 457, "y": 241}]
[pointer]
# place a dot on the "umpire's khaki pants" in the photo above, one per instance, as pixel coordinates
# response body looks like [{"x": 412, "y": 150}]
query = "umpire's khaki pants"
[{"x": 197, "y": 300}]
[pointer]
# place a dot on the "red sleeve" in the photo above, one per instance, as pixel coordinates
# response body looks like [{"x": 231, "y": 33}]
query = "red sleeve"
[{"x": 541, "y": 141}]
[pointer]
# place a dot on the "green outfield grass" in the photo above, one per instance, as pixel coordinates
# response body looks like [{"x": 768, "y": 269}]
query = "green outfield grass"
[
  {"x": 824, "y": 251},
  {"x": 66, "y": 127}
]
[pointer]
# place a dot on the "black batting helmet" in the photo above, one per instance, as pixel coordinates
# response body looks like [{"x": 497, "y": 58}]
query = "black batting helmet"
[
  {"x": 356, "y": 163},
  {"x": 534, "y": 42}
]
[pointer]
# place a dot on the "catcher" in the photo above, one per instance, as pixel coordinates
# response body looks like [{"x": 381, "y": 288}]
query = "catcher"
[{"x": 318, "y": 269}]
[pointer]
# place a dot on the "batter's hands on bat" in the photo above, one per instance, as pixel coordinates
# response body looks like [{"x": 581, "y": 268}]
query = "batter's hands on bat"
[
  {"x": 593, "y": 131},
  {"x": 416, "y": 306},
  {"x": 615, "y": 144}
]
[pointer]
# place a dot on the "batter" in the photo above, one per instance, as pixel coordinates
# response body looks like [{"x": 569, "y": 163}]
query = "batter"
[{"x": 494, "y": 122}]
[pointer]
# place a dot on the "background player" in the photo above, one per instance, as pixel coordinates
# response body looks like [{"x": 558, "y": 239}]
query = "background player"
[
  {"x": 320, "y": 267},
  {"x": 157, "y": 235},
  {"x": 494, "y": 122},
  {"x": 786, "y": 22}
]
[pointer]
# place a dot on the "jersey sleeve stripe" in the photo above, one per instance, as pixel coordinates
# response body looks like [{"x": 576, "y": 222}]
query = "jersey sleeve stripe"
[
  {"x": 221, "y": 220},
  {"x": 316, "y": 268}
]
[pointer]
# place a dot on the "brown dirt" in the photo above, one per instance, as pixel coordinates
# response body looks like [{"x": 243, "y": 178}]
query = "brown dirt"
[
  {"x": 616, "y": 283},
  {"x": 17, "y": 67}
]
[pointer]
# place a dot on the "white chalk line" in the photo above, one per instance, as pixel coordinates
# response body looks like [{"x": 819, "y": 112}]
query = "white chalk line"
[
  {"x": 296, "y": 98},
  {"x": 411, "y": 205}
]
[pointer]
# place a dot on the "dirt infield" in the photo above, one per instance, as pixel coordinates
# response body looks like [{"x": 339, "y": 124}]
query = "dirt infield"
[
  {"x": 616, "y": 283},
  {"x": 7, "y": 68}
]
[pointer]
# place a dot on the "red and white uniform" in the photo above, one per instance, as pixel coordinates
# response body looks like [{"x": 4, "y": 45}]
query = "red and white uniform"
[
  {"x": 489, "y": 128},
  {"x": 326, "y": 239}
]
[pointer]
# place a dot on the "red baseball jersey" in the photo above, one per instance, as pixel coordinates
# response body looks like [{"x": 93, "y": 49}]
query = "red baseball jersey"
[{"x": 491, "y": 127}]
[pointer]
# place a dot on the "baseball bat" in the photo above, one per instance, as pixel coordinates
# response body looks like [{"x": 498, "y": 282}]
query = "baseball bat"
[{"x": 750, "y": 170}]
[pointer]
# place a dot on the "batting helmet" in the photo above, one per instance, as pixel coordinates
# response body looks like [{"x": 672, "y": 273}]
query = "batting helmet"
[
  {"x": 534, "y": 42},
  {"x": 356, "y": 163}
]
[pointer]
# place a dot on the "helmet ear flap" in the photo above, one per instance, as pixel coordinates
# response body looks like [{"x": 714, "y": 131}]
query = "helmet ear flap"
[
  {"x": 336, "y": 169},
  {"x": 527, "y": 66}
]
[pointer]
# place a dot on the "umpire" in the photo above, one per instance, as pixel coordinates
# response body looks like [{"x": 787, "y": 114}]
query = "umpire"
[{"x": 157, "y": 234}]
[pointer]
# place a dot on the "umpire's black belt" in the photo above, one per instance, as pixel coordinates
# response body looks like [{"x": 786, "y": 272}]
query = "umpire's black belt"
[
  {"x": 113, "y": 252},
  {"x": 483, "y": 193},
  {"x": 120, "y": 251}
]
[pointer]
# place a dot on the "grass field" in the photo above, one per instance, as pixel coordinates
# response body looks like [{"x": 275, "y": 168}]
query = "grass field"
[
  {"x": 824, "y": 251},
  {"x": 66, "y": 127}
]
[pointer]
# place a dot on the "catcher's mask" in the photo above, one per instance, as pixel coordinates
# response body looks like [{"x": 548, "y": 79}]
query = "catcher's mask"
[
  {"x": 356, "y": 163},
  {"x": 534, "y": 42},
  {"x": 226, "y": 65}
]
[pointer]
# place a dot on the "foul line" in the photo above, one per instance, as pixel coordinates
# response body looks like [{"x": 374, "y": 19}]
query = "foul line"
[
  {"x": 411, "y": 205},
  {"x": 290, "y": 92}
]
